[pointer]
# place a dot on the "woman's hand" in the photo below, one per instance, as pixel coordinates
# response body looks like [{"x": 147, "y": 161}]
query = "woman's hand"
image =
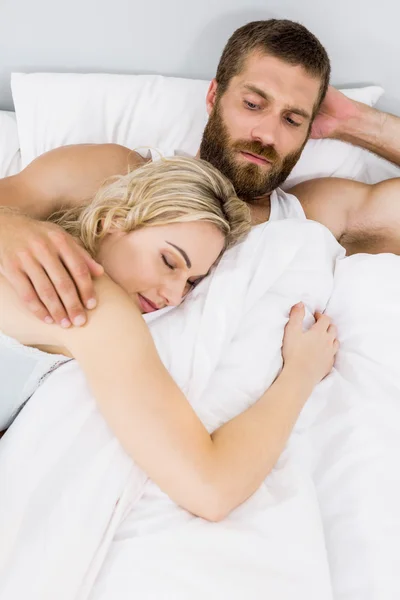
[{"x": 310, "y": 353}]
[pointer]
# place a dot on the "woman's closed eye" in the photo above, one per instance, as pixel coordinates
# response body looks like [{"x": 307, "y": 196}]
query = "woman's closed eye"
[
  {"x": 191, "y": 283},
  {"x": 168, "y": 262}
]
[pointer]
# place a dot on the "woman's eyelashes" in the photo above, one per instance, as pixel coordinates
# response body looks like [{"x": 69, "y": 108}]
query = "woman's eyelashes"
[
  {"x": 168, "y": 262},
  {"x": 191, "y": 283}
]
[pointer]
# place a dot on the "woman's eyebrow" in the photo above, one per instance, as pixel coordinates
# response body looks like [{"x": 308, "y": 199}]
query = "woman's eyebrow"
[{"x": 185, "y": 256}]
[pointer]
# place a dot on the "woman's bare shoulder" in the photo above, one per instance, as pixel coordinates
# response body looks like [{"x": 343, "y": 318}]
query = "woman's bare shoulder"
[{"x": 18, "y": 322}]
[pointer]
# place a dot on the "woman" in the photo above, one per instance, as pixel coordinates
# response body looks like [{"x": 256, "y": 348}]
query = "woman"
[{"x": 158, "y": 231}]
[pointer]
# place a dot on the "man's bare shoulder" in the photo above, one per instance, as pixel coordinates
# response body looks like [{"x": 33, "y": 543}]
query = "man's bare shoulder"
[
  {"x": 331, "y": 201},
  {"x": 76, "y": 172},
  {"x": 67, "y": 176}
]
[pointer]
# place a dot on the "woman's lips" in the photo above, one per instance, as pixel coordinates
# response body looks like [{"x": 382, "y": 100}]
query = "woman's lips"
[
  {"x": 146, "y": 305},
  {"x": 258, "y": 160}
]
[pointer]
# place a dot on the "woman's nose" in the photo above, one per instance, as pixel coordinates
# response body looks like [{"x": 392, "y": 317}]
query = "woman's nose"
[{"x": 173, "y": 292}]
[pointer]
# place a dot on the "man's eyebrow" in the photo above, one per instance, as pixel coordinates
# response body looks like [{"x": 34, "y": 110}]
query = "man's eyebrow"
[
  {"x": 299, "y": 111},
  {"x": 295, "y": 110},
  {"x": 257, "y": 90},
  {"x": 185, "y": 256}
]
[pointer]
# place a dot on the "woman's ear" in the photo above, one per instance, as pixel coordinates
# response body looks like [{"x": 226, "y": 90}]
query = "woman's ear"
[
  {"x": 100, "y": 225},
  {"x": 113, "y": 230}
]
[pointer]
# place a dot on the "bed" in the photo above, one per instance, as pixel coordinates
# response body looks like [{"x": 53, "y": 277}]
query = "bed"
[{"x": 325, "y": 525}]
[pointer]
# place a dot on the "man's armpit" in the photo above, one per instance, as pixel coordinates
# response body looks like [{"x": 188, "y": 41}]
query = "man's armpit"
[{"x": 375, "y": 226}]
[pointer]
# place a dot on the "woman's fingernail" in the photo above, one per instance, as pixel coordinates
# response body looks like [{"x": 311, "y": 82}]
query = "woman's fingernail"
[
  {"x": 91, "y": 303},
  {"x": 48, "y": 320},
  {"x": 65, "y": 323}
]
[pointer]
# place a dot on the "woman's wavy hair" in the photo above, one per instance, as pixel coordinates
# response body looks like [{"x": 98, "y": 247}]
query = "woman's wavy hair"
[{"x": 170, "y": 190}]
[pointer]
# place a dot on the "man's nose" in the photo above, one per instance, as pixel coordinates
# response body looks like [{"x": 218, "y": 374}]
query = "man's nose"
[{"x": 266, "y": 130}]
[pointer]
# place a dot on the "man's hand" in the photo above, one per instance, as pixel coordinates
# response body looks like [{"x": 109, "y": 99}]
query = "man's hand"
[
  {"x": 358, "y": 124},
  {"x": 335, "y": 111},
  {"x": 50, "y": 272}
]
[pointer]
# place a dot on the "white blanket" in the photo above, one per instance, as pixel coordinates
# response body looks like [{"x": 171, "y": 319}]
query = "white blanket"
[
  {"x": 79, "y": 520},
  {"x": 356, "y": 438}
]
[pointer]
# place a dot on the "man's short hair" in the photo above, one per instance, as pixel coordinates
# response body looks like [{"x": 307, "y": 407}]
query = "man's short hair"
[{"x": 283, "y": 39}]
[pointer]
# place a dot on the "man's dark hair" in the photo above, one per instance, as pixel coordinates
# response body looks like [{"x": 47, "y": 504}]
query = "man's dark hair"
[{"x": 283, "y": 39}]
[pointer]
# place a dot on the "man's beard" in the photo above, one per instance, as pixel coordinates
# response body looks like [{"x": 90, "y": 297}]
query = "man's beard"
[{"x": 250, "y": 181}]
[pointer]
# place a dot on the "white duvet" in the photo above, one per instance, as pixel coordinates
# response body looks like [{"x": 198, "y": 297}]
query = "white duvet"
[{"x": 78, "y": 520}]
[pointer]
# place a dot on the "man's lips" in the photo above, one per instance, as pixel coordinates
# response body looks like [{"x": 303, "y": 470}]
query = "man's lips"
[
  {"x": 255, "y": 158},
  {"x": 146, "y": 304}
]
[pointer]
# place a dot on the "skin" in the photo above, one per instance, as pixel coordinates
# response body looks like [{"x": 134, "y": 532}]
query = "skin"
[
  {"x": 156, "y": 266},
  {"x": 161, "y": 264},
  {"x": 278, "y": 122},
  {"x": 272, "y": 122}
]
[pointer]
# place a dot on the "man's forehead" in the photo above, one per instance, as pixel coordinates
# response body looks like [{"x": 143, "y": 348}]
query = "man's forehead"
[{"x": 290, "y": 84}]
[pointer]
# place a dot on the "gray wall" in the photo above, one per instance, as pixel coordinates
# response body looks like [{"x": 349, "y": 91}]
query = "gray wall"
[{"x": 185, "y": 37}]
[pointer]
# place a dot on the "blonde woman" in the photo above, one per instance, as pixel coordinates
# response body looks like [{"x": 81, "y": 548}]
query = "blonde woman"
[{"x": 157, "y": 232}]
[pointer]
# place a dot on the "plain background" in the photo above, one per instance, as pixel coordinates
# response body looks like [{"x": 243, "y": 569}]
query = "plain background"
[{"x": 185, "y": 37}]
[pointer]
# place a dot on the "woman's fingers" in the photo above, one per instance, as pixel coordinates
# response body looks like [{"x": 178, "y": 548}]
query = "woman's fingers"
[
  {"x": 332, "y": 330},
  {"x": 322, "y": 322}
]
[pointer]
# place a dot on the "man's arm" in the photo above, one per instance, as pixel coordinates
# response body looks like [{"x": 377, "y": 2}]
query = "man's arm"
[
  {"x": 48, "y": 269},
  {"x": 350, "y": 121},
  {"x": 65, "y": 177},
  {"x": 364, "y": 218}
]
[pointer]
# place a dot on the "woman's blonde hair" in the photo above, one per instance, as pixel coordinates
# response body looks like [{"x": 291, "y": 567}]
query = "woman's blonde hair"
[{"x": 171, "y": 190}]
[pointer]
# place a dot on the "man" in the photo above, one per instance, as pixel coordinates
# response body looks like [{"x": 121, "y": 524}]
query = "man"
[{"x": 269, "y": 95}]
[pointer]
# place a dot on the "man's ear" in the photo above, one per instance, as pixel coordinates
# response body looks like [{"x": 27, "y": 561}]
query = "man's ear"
[{"x": 211, "y": 96}]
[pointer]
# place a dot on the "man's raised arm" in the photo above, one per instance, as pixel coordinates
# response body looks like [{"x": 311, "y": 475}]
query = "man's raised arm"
[{"x": 358, "y": 124}]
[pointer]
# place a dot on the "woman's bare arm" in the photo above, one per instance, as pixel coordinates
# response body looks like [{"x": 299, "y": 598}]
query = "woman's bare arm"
[{"x": 207, "y": 475}]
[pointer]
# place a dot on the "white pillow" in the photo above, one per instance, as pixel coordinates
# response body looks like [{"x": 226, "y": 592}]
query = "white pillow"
[
  {"x": 10, "y": 158},
  {"x": 133, "y": 110},
  {"x": 377, "y": 169},
  {"x": 141, "y": 111}
]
